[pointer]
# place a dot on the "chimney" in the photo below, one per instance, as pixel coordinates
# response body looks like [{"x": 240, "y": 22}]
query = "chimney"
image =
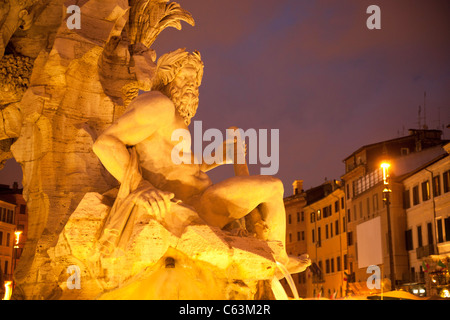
[{"x": 297, "y": 186}]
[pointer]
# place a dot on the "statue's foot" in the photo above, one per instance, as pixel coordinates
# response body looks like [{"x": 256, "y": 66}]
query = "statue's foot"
[{"x": 294, "y": 264}]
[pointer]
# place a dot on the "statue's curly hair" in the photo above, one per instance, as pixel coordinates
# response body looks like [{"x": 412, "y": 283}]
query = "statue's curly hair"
[{"x": 171, "y": 63}]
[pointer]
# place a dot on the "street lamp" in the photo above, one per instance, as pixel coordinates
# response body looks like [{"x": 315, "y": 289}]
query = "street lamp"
[
  {"x": 16, "y": 246},
  {"x": 386, "y": 193}
]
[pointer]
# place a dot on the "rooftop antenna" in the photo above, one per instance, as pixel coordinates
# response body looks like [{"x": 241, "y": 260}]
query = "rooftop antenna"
[
  {"x": 420, "y": 109},
  {"x": 424, "y": 111}
]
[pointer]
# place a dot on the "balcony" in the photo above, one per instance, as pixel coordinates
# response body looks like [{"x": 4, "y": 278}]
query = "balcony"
[
  {"x": 425, "y": 251},
  {"x": 444, "y": 247}
]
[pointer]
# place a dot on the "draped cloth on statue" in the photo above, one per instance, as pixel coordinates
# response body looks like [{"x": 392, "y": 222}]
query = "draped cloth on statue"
[{"x": 126, "y": 212}]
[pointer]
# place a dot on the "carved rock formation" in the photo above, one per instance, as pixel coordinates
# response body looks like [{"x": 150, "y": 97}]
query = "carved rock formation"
[{"x": 81, "y": 81}]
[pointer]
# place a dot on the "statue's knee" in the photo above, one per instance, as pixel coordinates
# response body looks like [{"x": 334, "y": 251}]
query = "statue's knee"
[{"x": 276, "y": 185}]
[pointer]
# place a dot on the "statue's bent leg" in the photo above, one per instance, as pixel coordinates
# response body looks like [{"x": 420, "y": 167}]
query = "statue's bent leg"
[{"x": 236, "y": 197}]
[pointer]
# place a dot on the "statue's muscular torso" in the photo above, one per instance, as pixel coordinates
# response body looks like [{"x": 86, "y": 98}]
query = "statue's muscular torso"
[{"x": 184, "y": 180}]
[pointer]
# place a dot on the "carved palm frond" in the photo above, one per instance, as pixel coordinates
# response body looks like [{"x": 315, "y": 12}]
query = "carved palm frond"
[{"x": 148, "y": 18}]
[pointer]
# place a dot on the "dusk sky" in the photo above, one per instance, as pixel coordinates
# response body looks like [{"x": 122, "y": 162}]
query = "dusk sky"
[{"x": 313, "y": 70}]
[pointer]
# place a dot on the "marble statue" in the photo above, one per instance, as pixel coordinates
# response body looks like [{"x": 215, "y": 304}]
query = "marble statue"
[
  {"x": 103, "y": 195},
  {"x": 148, "y": 124}
]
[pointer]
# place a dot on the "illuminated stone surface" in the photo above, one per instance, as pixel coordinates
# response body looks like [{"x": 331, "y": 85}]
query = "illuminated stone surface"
[{"x": 82, "y": 81}]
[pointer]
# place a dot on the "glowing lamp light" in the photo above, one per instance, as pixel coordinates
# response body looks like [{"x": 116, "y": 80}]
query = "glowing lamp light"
[
  {"x": 8, "y": 290},
  {"x": 17, "y": 233},
  {"x": 445, "y": 293},
  {"x": 385, "y": 165},
  {"x": 385, "y": 168}
]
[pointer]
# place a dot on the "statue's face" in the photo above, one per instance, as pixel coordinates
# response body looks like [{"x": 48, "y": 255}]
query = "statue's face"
[
  {"x": 184, "y": 92},
  {"x": 186, "y": 80}
]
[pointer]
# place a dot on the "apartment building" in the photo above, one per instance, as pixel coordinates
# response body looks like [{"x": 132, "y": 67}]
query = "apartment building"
[
  {"x": 7, "y": 229},
  {"x": 426, "y": 198},
  {"x": 13, "y": 218},
  {"x": 326, "y": 240},
  {"x": 367, "y": 209},
  {"x": 296, "y": 233}
]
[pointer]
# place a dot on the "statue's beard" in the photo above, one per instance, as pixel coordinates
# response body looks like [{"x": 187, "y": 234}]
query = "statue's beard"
[{"x": 185, "y": 101}]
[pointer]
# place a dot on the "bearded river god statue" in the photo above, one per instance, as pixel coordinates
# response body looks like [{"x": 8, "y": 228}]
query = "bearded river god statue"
[{"x": 112, "y": 216}]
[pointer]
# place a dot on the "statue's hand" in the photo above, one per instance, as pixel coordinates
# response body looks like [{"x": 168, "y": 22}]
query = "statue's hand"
[{"x": 156, "y": 202}]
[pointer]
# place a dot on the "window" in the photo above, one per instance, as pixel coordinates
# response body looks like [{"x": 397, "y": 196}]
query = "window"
[
  {"x": 303, "y": 235},
  {"x": 348, "y": 192},
  {"x": 327, "y": 266},
  {"x": 1, "y": 238},
  {"x": 430, "y": 233},
  {"x": 290, "y": 237},
  {"x": 426, "y": 190},
  {"x": 440, "y": 231},
  {"x": 331, "y": 229},
  {"x": 436, "y": 186},
  {"x": 343, "y": 225},
  {"x": 419, "y": 236},
  {"x": 446, "y": 181},
  {"x": 338, "y": 264},
  {"x": 289, "y": 219},
  {"x": 318, "y": 215},
  {"x": 368, "y": 206},
  {"x": 342, "y": 203},
  {"x": 313, "y": 217},
  {"x": 8, "y": 239},
  {"x": 404, "y": 151},
  {"x": 312, "y": 236},
  {"x": 345, "y": 261},
  {"x": 354, "y": 213},
  {"x": 336, "y": 206},
  {"x": 303, "y": 216},
  {"x": 447, "y": 229},
  {"x": 319, "y": 237},
  {"x": 298, "y": 235},
  {"x": 6, "y": 268},
  {"x": 332, "y": 264},
  {"x": 326, "y": 231},
  {"x": 350, "y": 238},
  {"x": 415, "y": 195},
  {"x": 326, "y": 211},
  {"x": 348, "y": 215},
  {"x": 406, "y": 200},
  {"x": 375, "y": 202},
  {"x": 336, "y": 227},
  {"x": 23, "y": 209},
  {"x": 298, "y": 216},
  {"x": 360, "y": 210}
]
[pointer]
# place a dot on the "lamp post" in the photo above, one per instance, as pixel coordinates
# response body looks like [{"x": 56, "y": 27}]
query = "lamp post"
[
  {"x": 16, "y": 246},
  {"x": 386, "y": 193}
]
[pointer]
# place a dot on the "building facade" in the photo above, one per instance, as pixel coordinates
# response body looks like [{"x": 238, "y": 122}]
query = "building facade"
[
  {"x": 427, "y": 203},
  {"x": 367, "y": 206},
  {"x": 326, "y": 241},
  {"x": 296, "y": 234},
  {"x": 7, "y": 229},
  {"x": 13, "y": 228}
]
